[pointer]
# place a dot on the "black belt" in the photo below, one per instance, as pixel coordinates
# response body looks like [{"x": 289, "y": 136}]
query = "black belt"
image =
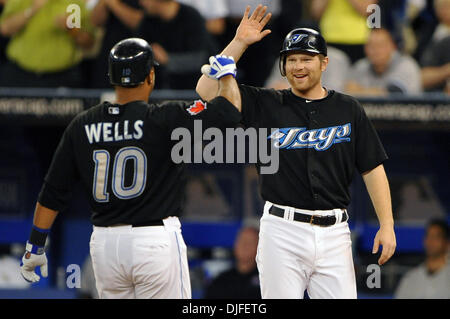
[
  {"x": 312, "y": 219},
  {"x": 150, "y": 223}
]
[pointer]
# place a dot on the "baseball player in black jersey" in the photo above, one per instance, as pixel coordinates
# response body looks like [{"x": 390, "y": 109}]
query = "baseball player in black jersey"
[
  {"x": 121, "y": 152},
  {"x": 322, "y": 137}
]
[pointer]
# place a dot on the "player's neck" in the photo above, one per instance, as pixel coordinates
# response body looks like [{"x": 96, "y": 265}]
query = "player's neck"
[
  {"x": 124, "y": 96},
  {"x": 315, "y": 93}
]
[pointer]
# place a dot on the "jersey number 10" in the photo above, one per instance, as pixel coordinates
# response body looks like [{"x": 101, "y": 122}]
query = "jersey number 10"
[{"x": 102, "y": 161}]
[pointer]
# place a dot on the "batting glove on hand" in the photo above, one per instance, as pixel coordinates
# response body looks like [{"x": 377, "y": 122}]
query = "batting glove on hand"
[
  {"x": 34, "y": 256},
  {"x": 219, "y": 66}
]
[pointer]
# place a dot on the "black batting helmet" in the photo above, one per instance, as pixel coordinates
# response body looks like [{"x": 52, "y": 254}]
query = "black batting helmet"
[
  {"x": 130, "y": 61},
  {"x": 302, "y": 40}
]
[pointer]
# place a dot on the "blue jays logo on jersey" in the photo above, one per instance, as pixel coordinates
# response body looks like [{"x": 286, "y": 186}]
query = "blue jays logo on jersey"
[{"x": 320, "y": 139}]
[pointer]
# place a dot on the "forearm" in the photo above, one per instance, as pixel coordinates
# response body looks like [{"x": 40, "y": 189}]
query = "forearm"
[
  {"x": 35, "y": 247},
  {"x": 378, "y": 188},
  {"x": 361, "y": 6},
  {"x": 433, "y": 76},
  {"x": 229, "y": 89},
  {"x": 99, "y": 14},
  {"x": 129, "y": 16},
  {"x": 44, "y": 217},
  {"x": 16, "y": 22},
  {"x": 318, "y": 8},
  {"x": 206, "y": 87}
]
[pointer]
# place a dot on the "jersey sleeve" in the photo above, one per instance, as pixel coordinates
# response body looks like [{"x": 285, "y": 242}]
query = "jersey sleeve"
[
  {"x": 219, "y": 112},
  {"x": 61, "y": 176},
  {"x": 369, "y": 150}
]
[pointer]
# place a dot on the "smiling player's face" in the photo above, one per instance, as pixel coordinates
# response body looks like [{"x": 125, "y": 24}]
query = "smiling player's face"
[{"x": 304, "y": 71}]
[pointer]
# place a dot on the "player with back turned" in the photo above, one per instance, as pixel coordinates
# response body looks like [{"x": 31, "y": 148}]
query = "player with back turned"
[
  {"x": 121, "y": 152},
  {"x": 323, "y": 136}
]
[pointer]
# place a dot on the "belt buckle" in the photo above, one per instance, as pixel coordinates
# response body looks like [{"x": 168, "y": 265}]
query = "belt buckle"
[{"x": 311, "y": 221}]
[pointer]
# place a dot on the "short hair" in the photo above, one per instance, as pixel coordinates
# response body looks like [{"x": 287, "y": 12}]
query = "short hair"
[
  {"x": 383, "y": 29},
  {"x": 442, "y": 224}
]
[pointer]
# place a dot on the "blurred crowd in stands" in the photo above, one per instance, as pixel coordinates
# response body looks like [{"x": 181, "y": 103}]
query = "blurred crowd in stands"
[{"x": 408, "y": 51}]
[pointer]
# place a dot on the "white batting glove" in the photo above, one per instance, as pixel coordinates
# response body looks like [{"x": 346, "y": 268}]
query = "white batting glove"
[
  {"x": 34, "y": 256},
  {"x": 219, "y": 66}
]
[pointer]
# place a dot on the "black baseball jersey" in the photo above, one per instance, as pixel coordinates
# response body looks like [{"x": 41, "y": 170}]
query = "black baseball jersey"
[
  {"x": 320, "y": 143},
  {"x": 122, "y": 155}
]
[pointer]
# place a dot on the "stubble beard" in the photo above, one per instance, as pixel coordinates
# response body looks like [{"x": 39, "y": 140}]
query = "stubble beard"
[{"x": 306, "y": 87}]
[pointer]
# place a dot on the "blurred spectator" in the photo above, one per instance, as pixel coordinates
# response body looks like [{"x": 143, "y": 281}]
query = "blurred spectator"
[
  {"x": 384, "y": 70},
  {"x": 394, "y": 13},
  {"x": 237, "y": 7},
  {"x": 405, "y": 19},
  {"x": 423, "y": 23},
  {"x": 442, "y": 9},
  {"x": 396, "y": 16},
  {"x": 119, "y": 19},
  {"x": 435, "y": 60},
  {"x": 240, "y": 282},
  {"x": 419, "y": 202},
  {"x": 334, "y": 77},
  {"x": 179, "y": 40},
  {"x": 43, "y": 50},
  {"x": 214, "y": 12},
  {"x": 289, "y": 17},
  {"x": 430, "y": 280},
  {"x": 343, "y": 24},
  {"x": 10, "y": 277},
  {"x": 256, "y": 64}
]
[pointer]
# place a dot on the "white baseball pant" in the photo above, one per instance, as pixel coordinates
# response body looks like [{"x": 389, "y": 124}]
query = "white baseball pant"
[
  {"x": 140, "y": 262},
  {"x": 293, "y": 256}
]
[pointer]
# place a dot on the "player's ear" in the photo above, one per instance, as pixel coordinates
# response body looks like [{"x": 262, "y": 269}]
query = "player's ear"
[
  {"x": 323, "y": 62},
  {"x": 151, "y": 77},
  {"x": 148, "y": 78}
]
